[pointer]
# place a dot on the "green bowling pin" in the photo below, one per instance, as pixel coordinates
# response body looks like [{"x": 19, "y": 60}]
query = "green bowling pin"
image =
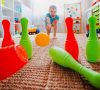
[
  {"x": 93, "y": 45},
  {"x": 63, "y": 58},
  {"x": 25, "y": 41}
]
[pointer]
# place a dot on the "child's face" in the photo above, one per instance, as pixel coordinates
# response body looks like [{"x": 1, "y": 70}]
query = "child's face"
[{"x": 52, "y": 12}]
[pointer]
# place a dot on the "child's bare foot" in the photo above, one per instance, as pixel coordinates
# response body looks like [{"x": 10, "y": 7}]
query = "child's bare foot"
[{"x": 54, "y": 37}]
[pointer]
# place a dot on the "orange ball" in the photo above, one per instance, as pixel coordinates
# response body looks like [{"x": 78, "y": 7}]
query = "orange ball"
[{"x": 42, "y": 39}]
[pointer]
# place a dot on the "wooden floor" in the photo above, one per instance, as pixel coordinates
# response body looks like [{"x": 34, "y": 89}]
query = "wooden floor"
[{"x": 42, "y": 74}]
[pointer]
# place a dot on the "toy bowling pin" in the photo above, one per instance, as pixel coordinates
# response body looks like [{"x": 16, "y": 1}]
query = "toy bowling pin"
[
  {"x": 71, "y": 44},
  {"x": 7, "y": 40},
  {"x": 64, "y": 59},
  {"x": 25, "y": 41},
  {"x": 12, "y": 59},
  {"x": 93, "y": 45}
]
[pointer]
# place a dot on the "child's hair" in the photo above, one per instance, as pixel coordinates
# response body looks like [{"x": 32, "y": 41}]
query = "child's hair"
[{"x": 53, "y": 7}]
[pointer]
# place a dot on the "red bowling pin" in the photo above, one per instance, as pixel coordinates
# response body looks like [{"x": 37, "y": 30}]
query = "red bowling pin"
[
  {"x": 12, "y": 59},
  {"x": 7, "y": 40},
  {"x": 71, "y": 45}
]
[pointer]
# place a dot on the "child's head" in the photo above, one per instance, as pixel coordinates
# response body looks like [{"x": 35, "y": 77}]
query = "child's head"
[{"x": 53, "y": 10}]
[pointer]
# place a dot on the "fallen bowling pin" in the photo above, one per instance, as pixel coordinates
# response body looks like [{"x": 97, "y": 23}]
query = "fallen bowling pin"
[
  {"x": 12, "y": 59},
  {"x": 7, "y": 40},
  {"x": 93, "y": 45},
  {"x": 25, "y": 41},
  {"x": 71, "y": 44},
  {"x": 64, "y": 59}
]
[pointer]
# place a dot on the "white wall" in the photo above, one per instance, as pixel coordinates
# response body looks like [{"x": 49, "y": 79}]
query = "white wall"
[
  {"x": 93, "y": 1},
  {"x": 28, "y": 10},
  {"x": 42, "y": 7},
  {"x": 28, "y": 3},
  {"x": 86, "y": 4}
]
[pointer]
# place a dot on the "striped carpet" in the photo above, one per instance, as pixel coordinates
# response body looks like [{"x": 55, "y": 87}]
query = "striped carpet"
[{"x": 41, "y": 74}]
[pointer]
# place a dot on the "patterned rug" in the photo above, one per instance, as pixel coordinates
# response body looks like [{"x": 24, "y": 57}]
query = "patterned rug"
[{"x": 41, "y": 74}]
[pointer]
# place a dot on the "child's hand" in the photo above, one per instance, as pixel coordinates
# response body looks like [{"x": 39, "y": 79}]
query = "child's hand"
[{"x": 48, "y": 20}]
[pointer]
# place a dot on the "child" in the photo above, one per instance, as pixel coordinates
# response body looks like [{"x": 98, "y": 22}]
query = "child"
[{"x": 52, "y": 20}]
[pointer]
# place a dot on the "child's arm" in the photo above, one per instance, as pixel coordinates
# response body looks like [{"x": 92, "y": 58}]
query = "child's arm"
[
  {"x": 56, "y": 21},
  {"x": 48, "y": 20}
]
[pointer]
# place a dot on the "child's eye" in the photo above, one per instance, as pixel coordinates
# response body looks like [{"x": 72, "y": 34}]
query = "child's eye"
[{"x": 53, "y": 11}]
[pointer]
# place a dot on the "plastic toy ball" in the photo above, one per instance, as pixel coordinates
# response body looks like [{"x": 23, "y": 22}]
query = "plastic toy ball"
[{"x": 42, "y": 39}]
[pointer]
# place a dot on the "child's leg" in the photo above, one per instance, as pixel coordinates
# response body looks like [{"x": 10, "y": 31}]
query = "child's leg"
[
  {"x": 55, "y": 27},
  {"x": 55, "y": 30},
  {"x": 48, "y": 28}
]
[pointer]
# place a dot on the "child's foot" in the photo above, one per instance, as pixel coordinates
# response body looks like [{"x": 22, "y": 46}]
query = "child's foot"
[{"x": 54, "y": 37}]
